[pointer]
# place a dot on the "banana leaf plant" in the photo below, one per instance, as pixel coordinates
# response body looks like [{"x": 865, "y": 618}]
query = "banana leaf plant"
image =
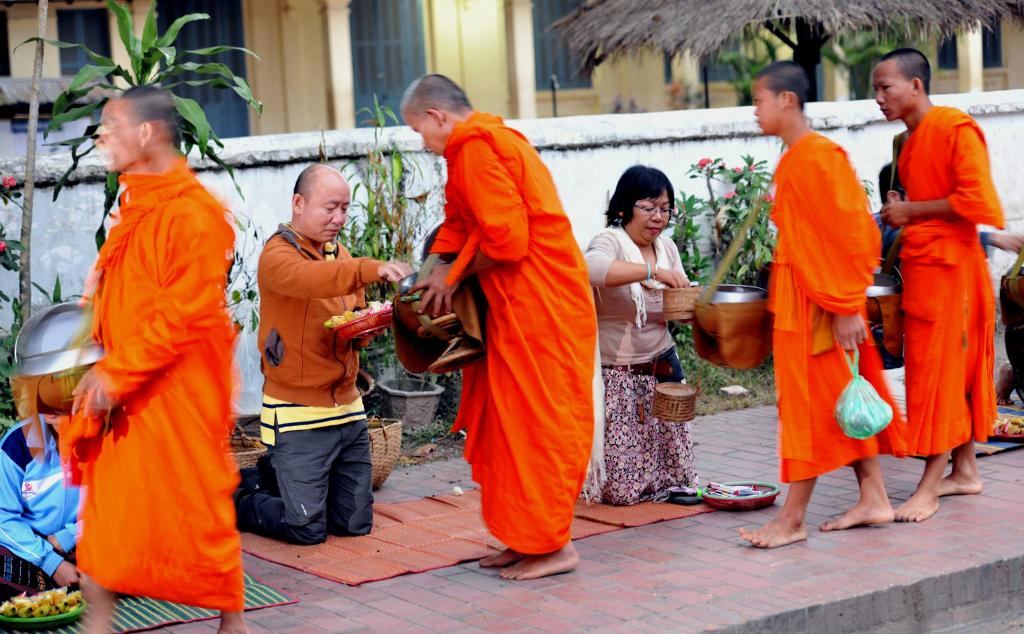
[{"x": 154, "y": 61}]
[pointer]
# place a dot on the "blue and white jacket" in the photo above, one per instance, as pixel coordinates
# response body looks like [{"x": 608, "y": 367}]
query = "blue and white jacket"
[{"x": 34, "y": 501}]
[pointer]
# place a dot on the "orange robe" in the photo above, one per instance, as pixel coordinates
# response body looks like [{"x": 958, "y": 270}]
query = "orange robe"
[
  {"x": 947, "y": 292},
  {"x": 158, "y": 518},
  {"x": 827, "y": 249},
  {"x": 528, "y": 410}
]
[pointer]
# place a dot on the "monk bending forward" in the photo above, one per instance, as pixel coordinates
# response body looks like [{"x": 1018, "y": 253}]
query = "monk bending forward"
[
  {"x": 158, "y": 519},
  {"x": 827, "y": 249},
  {"x": 528, "y": 409},
  {"x": 948, "y": 304}
]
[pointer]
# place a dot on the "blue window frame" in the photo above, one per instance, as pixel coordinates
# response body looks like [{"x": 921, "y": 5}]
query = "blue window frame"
[
  {"x": 82, "y": 26},
  {"x": 551, "y": 56}
]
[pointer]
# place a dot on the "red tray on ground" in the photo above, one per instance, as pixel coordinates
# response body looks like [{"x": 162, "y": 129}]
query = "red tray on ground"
[{"x": 365, "y": 325}]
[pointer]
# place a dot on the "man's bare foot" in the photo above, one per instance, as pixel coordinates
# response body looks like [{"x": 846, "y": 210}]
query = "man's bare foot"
[
  {"x": 861, "y": 515},
  {"x": 775, "y": 533},
  {"x": 232, "y": 623},
  {"x": 537, "y": 566},
  {"x": 506, "y": 557},
  {"x": 960, "y": 484},
  {"x": 918, "y": 508}
]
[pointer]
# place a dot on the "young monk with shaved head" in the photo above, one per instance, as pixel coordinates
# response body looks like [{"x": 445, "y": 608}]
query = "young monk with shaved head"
[
  {"x": 828, "y": 246},
  {"x": 528, "y": 409},
  {"x": 948, "y": 304}
]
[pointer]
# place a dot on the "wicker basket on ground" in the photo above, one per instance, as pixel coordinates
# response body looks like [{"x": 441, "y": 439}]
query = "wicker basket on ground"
[
  {"x": 385, "y": 448},
  {"x": 245, "y": 449}
]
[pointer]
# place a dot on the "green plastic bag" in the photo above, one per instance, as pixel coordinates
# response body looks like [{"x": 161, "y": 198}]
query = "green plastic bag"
[{"x": 860, "y": 411}]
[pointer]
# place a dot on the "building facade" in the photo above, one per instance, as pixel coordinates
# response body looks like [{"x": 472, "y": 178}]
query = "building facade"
[{"x": 322, "y": 62}]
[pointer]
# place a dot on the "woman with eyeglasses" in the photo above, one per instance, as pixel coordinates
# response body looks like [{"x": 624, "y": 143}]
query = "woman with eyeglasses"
[{"x": 630, "y": 262}]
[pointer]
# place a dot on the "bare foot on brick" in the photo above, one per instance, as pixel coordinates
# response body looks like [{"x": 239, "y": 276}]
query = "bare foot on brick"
[
  {"x": 232, "y": 623},
  {"x": 918, "y": 508},
  {"x": 861, "y": 515},
  {"x": 960, "y": 484},
  {"x": 537, "y": 566},
  {"x": 506, "y": 557},
  {"x": 778, "y": 532}
]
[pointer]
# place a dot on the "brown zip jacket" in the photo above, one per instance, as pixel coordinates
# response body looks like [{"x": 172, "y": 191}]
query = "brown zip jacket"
[{"x": 302, "y": 361}]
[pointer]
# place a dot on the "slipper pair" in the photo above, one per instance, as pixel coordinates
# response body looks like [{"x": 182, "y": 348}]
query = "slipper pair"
[{"x": 684, "y": 496}]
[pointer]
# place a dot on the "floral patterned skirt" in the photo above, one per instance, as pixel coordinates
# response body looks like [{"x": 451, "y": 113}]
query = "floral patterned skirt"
[{"x": 643, "y": 455}]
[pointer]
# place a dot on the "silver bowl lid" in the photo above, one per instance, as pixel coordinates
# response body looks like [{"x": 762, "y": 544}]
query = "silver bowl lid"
[
  {"x": 737, "y": 294},
  {"x": 883, "y": 285},
  {"x": 44, "y": 345}
]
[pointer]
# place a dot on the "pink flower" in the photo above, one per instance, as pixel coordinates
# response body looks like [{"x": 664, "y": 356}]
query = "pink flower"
[
  {"x": 9, "y": 182},
  {"x": 3, "y": 246},
  {"x": 767, "y": 198},
  {"x": 730, "y": 196},
  {"x": 751, "y": 168},
  {"x": 704, "y": 162},
  {"x": 738, "y": 170}
]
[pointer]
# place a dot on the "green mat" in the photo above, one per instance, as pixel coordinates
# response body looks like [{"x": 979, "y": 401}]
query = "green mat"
[{"x": 134, "y": 614}]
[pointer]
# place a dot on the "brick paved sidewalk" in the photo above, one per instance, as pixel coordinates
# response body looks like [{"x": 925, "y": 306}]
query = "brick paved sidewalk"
[{"x": 694, "y": 574}]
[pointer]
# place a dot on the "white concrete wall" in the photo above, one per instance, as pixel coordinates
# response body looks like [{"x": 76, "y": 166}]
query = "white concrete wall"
[{"x": 585, "y": 154}]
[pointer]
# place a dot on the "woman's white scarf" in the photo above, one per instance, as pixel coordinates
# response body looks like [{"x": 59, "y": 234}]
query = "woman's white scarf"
[{"x": 631, "y": 253}]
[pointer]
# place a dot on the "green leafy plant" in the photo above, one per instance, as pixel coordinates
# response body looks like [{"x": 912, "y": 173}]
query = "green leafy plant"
[
  {"x": 388, "y": 223},
  {"x": 749, "y": 184},
  {"x": 242, "y": 292},
  {"x": 747, "y": 60},
  {"x": 687, "y": 234},
  {"x": 154, "y": 61},
  {"x": 857, "y": 52}
]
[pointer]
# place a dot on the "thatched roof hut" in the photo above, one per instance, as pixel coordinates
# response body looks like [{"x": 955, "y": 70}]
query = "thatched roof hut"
[{"x": 604, "y": 28}]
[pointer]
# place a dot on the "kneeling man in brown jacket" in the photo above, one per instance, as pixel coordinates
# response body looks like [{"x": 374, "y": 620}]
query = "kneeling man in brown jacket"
[{"x": 317, "y": 481}]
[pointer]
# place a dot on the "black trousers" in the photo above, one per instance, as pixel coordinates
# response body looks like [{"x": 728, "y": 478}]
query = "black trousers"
[{"x": 322, "y": 479}]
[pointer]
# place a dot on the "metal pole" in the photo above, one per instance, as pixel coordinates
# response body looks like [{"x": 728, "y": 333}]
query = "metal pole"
[{"x": 554, "y": 94}]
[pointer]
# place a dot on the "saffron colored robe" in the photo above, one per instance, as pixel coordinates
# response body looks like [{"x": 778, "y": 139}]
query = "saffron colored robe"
[
  {"x": 948, "y": 303},
  {"x": 158, "y": 518},
  {"x": 827, "y": 249},
  {"x": 528, "y": 408}
]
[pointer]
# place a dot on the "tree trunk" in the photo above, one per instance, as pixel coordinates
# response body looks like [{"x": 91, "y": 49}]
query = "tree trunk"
[
  {"x": 807, "y": 53},
  {"x": 25, "y": 260}
]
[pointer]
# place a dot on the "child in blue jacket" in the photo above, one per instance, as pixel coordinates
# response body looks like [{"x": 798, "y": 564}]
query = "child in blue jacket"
[{"x": 38, "y": 512}]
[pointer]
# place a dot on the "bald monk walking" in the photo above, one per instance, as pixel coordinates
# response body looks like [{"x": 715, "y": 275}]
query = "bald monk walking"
[
  {"x": 528, "y": 409},
  {"x": 947, "y": 294},
  {"x": 828, "y": 245},
  {"x": 158, "y": 518}
]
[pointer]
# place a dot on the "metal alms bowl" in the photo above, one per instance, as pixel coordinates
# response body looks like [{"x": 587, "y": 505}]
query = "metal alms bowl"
[
  {"x": 737, "y": 294},
  {"x": 45, "y": 344},
  {"x": 883, "y": 285}
]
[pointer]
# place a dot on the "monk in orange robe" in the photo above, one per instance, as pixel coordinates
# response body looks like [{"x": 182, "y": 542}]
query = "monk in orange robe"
[
  {"x": 828, "y": 246},
  {"x": 528, "y": 409},
  {"x": 148, "y": 436},
  {"x": 948, "y": 303}
]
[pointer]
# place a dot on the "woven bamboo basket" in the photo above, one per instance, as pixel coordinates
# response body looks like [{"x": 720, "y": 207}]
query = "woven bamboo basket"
[
  {"x": 679, "y": 303},
  {"x": 675, "y": 402},
  {"x": 385, "y": 448},
  {"x": 246, "y": 449}
]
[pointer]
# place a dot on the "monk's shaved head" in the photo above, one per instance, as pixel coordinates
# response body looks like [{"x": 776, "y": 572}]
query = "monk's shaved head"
[
  {"x": 152, "y": 104},
  {"x": 912, "y": 64},
  {"x": 786, "y": 76},
  {"x": 435, "y": 92},
  {"x": 306, "y": 181}
]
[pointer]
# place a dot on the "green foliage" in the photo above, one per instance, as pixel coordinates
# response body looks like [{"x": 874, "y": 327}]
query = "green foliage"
[
  {"x": 857, "y": 52},
  {"x": 749, "y": 184},
  {"x": 154, "y": 61},
  {"x": 390, "y": 222},
  {"x": 243, "y": 299},
  {"x": 754, "y": 53}
]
